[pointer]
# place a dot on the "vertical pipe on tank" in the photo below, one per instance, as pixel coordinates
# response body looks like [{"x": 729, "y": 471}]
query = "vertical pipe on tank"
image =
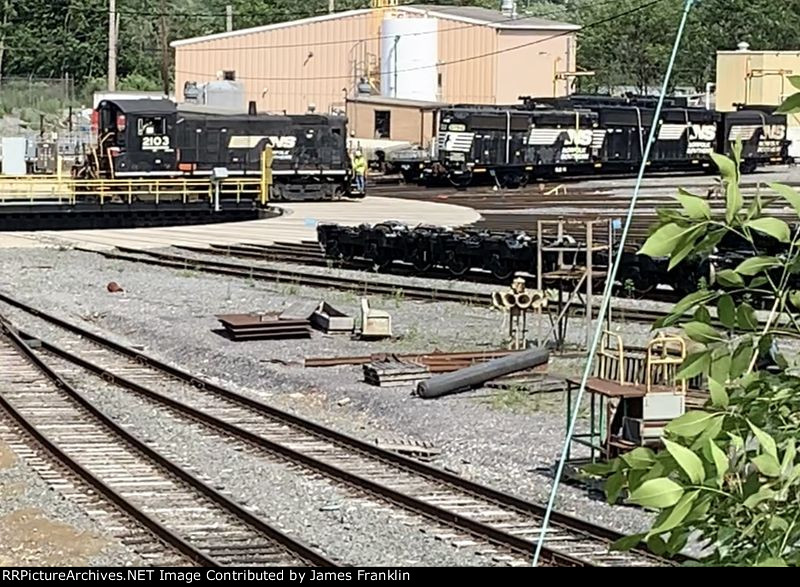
[{"x": 396, "y": 40}]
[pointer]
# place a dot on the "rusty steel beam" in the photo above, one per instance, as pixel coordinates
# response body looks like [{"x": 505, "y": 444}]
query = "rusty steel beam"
[{"x": 435, "y": 359}]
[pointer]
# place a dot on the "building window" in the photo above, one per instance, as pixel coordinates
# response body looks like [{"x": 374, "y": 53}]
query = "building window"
[
  {"x": 383, "y": 124},
  {"x": 229, "y": 75}
]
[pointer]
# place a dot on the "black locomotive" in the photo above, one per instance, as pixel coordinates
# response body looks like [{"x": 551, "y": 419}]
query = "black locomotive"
[
  {"x": 157, "y": 138},
  {"x": 543, "y": 138}
]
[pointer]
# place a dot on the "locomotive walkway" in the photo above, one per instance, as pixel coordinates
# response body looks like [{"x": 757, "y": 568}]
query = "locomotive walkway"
[{"x": 298, "y": 223}]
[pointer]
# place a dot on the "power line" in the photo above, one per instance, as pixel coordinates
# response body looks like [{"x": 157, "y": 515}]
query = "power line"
[{"x": 648, "y": 4}]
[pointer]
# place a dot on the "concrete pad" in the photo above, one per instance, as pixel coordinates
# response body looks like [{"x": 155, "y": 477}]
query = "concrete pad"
[{"x": 297, "y": 223}]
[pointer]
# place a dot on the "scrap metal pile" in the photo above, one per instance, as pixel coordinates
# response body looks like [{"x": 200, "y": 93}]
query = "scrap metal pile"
[{"x": 503, "y": 254}]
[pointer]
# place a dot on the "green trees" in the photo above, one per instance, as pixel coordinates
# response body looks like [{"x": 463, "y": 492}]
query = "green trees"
[
  {"x": 730, "y": 473},
  {"x": 633, "y": 50},
  {"x": 54, "y": 38}
]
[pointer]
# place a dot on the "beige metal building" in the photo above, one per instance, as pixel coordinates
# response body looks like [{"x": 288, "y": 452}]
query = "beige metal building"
[
  {"x": 428, "y": 53},
  {"x": 758, "y": 77}
]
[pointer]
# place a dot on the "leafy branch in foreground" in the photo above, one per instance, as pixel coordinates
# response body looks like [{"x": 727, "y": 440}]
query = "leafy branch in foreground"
[{"x": 729, "y": 474}]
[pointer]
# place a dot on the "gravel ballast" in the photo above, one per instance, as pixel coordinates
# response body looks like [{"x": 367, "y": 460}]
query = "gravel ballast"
[
  {"x": 40, "y": 527},
  {"x": 504, "y": 439}
]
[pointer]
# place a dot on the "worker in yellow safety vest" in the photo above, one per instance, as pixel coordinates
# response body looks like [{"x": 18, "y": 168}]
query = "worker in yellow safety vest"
[{"x": 360, "y": 170}]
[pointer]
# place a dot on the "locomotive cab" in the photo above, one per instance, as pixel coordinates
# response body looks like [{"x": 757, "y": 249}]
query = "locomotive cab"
[{"x": 134, "y": 138}]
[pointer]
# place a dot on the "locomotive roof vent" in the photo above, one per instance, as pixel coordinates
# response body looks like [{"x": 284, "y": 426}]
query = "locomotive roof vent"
[
  {"x": 743, "y": 46},
  {"x": 251, "y": 108}
]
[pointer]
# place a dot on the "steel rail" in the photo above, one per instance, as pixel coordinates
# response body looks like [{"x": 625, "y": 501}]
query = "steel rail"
[
  {"x": 425, "y": 470},
  {"x": 287, "y": 543}
]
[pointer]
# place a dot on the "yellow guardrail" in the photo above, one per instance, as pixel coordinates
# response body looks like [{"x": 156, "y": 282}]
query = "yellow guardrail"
[{"x": 54, "y": 189}]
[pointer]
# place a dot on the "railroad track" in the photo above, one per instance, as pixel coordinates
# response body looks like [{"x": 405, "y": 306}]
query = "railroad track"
[
  {"x": 197, "y": 521},
  {"x": 467, "y": 508},
  {"x": 367, "y": 286}
]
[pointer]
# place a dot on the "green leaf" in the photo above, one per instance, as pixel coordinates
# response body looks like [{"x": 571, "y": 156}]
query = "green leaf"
[
  {"x": 720, "y": 460},
  {"x": 729, "y": 278},
  {"x": 657, "y": 493},
  {"x": 679, "y": 511},
  {"x": 694, "y": 364},
  {"x": 755, "y": 207},
  {"x": 639, "y": 458},
  {"x": 790, "y": 105},
  {"x": 694, "y": 206},
  {"x": 701, "y": 332},
  {"x": 726, "y": 311},
  {"x": 789, "y": 194},
  {"x": 657, "y": 545},
  {"x": 597, "y": 469},
  {"x": 720, "y": 368},
  {"x": 613, "y": 487},
  {"x": 736, "y": 151},
  {"x": 794, "y": 298},
  {"x": 778, "y": 523},
  {"x": 685, "y": 245},
  {"x": 772, "y": 561},
  {"x": 794, "y": 80},
  {"x": 690, "y": 424},
  {"x": 764, "y": 493},
  {"x": 767, "y": 465},
  {"x": 686, "y": 303},
  {"x": 627, "y": 542},
  {"x": 687, "y": 460},
  {"x": 789, "y": 453},
  {"x": 663, "y": 241},
  {"x": 746, "y": 317},
  {"x": 700, "y": 510},
  {"x": 733, "y": 200},
  {"x": 774, "y": 227},
  {"x": 765, "y": 440},
  {"x": 712, "y": 430},
  {"x": 719, "y": 397},
  {"x": 755, "y": 265},
  {"x": 727, "y": 168},
  {"x": 741, "y": 359},
  {"x": 677, "y": 540},
  {"x": 702, "y": 315}
]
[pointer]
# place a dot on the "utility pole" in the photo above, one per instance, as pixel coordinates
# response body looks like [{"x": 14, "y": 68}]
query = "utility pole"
[
  {"x": 164, "y": 49},
  {"x": 229, "y": 17},
  {"x": 112, "y": 45},
  {"x": 6, "y": 11}
]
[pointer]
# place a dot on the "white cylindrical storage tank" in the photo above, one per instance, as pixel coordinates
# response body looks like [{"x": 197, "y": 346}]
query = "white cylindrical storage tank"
[{"x": 409, "y": 51}]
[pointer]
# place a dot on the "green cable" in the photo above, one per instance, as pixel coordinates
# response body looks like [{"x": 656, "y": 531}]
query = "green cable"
[{"x": 609, "y": 287}]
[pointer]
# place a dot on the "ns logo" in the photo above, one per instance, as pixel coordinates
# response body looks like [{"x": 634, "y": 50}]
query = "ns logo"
[
  {"x": 578, "y": 137},
  {"x": 702, "y": 132},
  {"x": 282, "y": 142},
  {"x": 774, "y": 132}
]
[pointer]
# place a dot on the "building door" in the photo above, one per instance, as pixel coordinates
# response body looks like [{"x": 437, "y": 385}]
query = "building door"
[{"x": 383, "y": 124}]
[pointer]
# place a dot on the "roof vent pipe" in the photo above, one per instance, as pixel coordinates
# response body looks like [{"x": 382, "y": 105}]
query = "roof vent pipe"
[
  {"x": 508, "y": 8},
  {"x": 743, "y": 46}
]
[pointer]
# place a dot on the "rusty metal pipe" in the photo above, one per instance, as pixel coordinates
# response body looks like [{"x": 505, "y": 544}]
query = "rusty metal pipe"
[{"x": 465, "y": 379}]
